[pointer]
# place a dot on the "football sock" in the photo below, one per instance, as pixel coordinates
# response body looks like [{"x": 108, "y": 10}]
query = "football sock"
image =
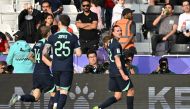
[
  {"x": 130, "y": 100},
  {"x": 108, "y": 102},
  {"x": 62, "y": 101},
  {"x": 27, "y": 98},
  {"x": 51, "y": 102}
]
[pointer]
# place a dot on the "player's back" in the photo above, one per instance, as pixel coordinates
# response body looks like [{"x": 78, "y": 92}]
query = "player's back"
[
  {"x": 63, "y": 44},
  {"x": 40, "y": 66}
]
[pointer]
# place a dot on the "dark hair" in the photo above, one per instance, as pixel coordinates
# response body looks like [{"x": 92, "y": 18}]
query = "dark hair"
[
  {"x": 113, "y": 29},
  {"x": 86, "y": 1},
  {"x": 64, "y": 19},
  {"x": 45, "y": 15},
  {"x": 46, "y": 1},
  {"x": 44, "y": 30},
  {"x": 128, "y": 54},
  {"x": 170, "y": 5},
  {"x": 95, "y": 2},
  {"x": 91, "y": 52},
  {"x": 163, "y": 59}
]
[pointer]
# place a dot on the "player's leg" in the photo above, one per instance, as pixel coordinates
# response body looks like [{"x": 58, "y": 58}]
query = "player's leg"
[
  {"x": 130, "y": 98},
  {"x": 48, "y": 85},
  {"x": 127, "y": 87},
  {"x": 65, "y": 85},
  {"x": 26, "y": 98},
  {"x": 111, "y": 100},
  {"x": 56, "y": 76}
]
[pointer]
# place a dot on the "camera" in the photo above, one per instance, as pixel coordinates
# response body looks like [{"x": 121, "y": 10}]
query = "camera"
[
  {"x": 163, "y": 67},
  {"x": 89, "y": 69}
]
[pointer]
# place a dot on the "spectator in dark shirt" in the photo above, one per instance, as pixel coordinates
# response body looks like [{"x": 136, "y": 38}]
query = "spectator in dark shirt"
[
  {"x": 87, "y": 23},
  {"x": 93, "y": 66},
  {"x": 28, "y": 21},
  {"x": 56, "y": 5}
]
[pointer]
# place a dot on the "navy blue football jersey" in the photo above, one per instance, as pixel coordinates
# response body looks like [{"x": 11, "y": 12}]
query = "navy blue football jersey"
[
  {"x": 40, "y": 66},
  {"x": 64, "y": 44},
  {"x": 114, "y": 49}
]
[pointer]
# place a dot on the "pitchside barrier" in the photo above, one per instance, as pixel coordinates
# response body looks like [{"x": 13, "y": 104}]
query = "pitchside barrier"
[{"x": 151, "y": 92}]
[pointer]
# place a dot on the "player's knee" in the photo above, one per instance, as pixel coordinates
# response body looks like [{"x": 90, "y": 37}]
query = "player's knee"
[
  {"x": 118, "y": 97},
  {"x": 62, "y": 91},
  {"x": 131, "y": 92}
]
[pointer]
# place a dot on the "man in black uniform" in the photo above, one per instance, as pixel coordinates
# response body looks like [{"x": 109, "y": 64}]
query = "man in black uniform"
[
  {"x": 118, "y": 81},
  {"x": 87, "y": 24},
  {"x": 42, "y": 79},
  {"x": 64, "y": 45}
]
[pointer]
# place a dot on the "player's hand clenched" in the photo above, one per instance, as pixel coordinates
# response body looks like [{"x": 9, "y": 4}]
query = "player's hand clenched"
[{"x": 125, "y": 77}]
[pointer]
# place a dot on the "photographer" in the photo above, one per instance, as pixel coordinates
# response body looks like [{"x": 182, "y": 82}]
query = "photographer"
[
  {"x": 131, "y": 69},
  {"x": 163, "y": 67},
  {"x": 93, "y": 66},
  {"x": 4, "y": 69}
]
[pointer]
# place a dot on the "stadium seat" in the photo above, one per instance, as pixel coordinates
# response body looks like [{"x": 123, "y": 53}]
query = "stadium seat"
[
  {"x": 178, "y": 10},
  {"x": 6, "y": 2},
  {"x": 20, "y": 4},
  {"x": 180, "y": 49},
  {"x": 6, "y": 8},
  {"x": 10, "y": 19},
  {"x": 150, "y": 15},
  {"x": 71, "y": 11},
  {"x": 75, "y": 29}
]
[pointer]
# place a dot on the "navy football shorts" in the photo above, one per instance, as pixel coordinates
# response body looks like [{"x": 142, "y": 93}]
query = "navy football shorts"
[
  {"x": 63, "y": 79},
  {"x": 44, "y": 82},
  {"x": 117, "y": 84}
]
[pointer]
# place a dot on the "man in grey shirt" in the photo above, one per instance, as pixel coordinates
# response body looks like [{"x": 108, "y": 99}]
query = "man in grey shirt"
[{"x": 168, "y": 26}]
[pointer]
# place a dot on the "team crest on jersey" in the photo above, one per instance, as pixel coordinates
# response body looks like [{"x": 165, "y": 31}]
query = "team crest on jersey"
[
  {"x": 38, "y": 44},
  {"x": 118, "y": 51}
]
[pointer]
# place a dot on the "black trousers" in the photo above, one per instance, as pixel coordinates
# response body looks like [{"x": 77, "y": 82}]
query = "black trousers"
[
  {"x": 155, "y": 39},
  {"x": 181, "y": 39},
  {"x": 88, "y": 45}
]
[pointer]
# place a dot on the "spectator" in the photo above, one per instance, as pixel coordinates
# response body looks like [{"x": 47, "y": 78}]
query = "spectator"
[
  {"x": 93, "y": 66},
  {"x": 48, "y": 21},
  {"x": 4, "y": 45},
  {"x": 117, "y": 11},
  {"x": 109, "y": 5},
  {"x": 56, "y": 5},
  {"x": 131, "y": 69},
  {"x": 28, "y": 21},
  {"x": 163, "y": 67},
  {"x": 18, "y": 55},
  {"x": 4, "y": 69},
  {"x": 97, "y": 9},
  {"x": 87, "y": 23},
  {"x": 184, "y": 24},
  {"x": 128, "y": 31},
  {"x": 165, "y": 20}
]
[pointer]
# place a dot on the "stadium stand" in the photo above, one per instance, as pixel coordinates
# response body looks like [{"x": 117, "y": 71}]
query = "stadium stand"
[{"x": 70, "y": 10}]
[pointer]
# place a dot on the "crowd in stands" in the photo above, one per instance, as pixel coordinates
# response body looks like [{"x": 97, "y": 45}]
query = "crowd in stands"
[{"x": 94, "y": 18}]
